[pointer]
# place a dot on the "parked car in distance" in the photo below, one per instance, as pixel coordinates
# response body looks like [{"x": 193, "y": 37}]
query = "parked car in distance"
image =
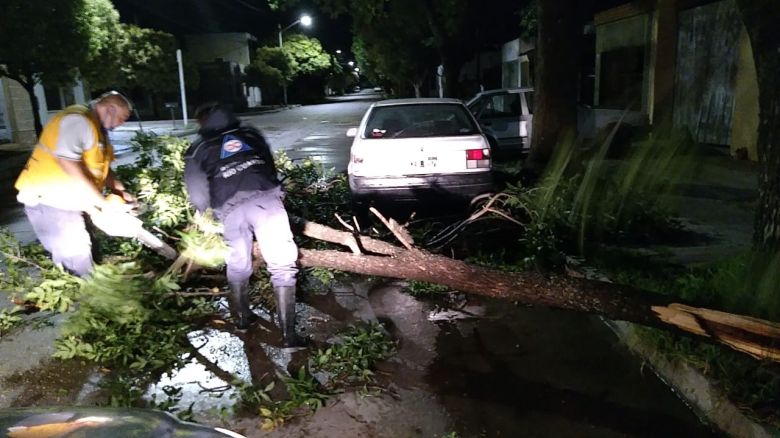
[
  {"x": 506, "y": 116},
  {"x": 418, "y": 150}
]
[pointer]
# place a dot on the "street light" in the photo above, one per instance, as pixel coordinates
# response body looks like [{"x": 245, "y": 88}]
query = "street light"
[
  {"x": 306, "y": 21},
  {"x": 351, "y": 63},
  {"x": 357, "y": 69},
  {"x": 338, "y": 52}
]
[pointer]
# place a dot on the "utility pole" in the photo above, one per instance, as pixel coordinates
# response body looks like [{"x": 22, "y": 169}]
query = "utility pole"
[
  {"x": 181, "y": 87},
  {"x": 284, "y": 84}
]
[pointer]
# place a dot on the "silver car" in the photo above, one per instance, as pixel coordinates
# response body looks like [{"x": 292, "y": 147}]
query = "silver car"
[{"x": 506, "y": 116}]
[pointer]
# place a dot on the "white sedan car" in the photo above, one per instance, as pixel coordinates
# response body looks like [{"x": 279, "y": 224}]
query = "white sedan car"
[{"x": 418, "y": 150}]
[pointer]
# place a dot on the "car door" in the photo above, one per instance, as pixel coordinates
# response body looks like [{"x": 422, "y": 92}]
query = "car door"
[{"x": 500, "y": 115}]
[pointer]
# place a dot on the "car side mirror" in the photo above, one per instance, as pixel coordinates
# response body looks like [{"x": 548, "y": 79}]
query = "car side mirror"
[{"x": 351, "y": 132}]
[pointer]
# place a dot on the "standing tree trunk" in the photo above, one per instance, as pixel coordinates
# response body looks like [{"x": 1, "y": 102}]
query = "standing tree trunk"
[
  {"x": 559, "y": 35},
  {"x": 417, "y": 85},
  {"x": 761, "y": 18}
]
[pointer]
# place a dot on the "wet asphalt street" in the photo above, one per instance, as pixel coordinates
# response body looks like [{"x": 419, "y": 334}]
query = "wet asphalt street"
[{"x": 315, "y": 131}]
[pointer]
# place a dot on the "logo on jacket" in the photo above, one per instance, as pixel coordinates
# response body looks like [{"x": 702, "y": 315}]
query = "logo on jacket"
[{"x": 232, "y": 145}]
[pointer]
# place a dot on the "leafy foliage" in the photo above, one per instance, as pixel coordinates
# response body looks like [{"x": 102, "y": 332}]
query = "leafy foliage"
[
  {"x": 394, "y": 38},
  {"x": 157, "y": 178},
  {"x": 50, "y": 49},
  {"x": 149, "y": 61},
  {"x": 133, "y": 57},
  {"x": 402, "y": 33},
  {"x": 203, "y": 242},
  {"x": 304, "y": 391},
  {"x": 312, "y": 191},
  {"x": 127, "y": 319},
  {"x": 341, "y": 79},
  {"x": 348, "y": 362},
  {"x": 352, "y": 358},
  {"x": 8, "y": 320},
  {"x": 30, "y": 276},
  {"x": 421, "y": 288},
  {"x": 270, "y": 68},
  {"x": 102, "y": 67},
  {"x": 299, "y": 58},
  {"x": 303, "y": 394},
  {"x": 529, "y": 21},
  {"x": 584, "y": 199},
  {"x": 305, "y": 55}
]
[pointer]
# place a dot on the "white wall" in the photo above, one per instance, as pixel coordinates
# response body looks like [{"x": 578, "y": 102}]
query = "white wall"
[{"x": 228, "y": 46}]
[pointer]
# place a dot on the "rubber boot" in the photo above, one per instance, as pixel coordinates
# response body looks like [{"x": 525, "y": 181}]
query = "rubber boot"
[
  {"x": 238, "y": 300},
  {"x": 285, "y": 310}
]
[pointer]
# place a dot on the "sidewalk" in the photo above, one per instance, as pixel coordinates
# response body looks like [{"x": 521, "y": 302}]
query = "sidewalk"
[{"x": 718, "y": 202}]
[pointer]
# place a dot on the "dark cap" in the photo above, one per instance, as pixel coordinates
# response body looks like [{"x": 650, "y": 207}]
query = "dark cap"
[{"x": 204, "y": 109}]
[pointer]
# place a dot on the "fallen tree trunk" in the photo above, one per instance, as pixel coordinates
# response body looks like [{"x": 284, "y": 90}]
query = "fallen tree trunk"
[{"x": 753, "y": 336}]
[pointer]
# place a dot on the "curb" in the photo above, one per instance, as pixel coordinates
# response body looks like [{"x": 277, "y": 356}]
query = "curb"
[
  {"x": 268, "y": 111},
  {"x": 707, "y": 401}
]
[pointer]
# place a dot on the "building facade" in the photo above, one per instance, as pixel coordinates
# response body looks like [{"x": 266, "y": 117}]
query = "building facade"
[
  {"x": 17, "y": 124},
  {"x": 226, "y": 55},
  {"x": 687, "y": 63}
]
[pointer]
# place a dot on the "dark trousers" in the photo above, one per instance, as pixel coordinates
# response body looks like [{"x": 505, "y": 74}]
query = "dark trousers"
[{"x": 64, "y": 234}]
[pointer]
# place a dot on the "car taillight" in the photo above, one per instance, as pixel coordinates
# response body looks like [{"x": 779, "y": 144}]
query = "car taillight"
[
  {"x": 474, "y": 154},
  {"x": 477, "y": 158}
]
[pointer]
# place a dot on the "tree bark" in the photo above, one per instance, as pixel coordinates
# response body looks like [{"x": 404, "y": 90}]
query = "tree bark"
[
  {"x": 555, "y": 90},
  {"x": 753, "y": 336},
  {"x": 761, "y": 18}
]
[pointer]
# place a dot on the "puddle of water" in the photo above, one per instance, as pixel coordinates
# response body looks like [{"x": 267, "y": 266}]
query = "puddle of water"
[
  {"x": 512, "y": 372},
  {"x": 252, "y": 355},
  {"x": 538, "y": 372},
  {"x": 205, "y": 382}
]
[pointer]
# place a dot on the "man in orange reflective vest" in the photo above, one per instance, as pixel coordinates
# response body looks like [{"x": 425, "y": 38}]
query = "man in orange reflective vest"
[{"x": 66, "y": 175}]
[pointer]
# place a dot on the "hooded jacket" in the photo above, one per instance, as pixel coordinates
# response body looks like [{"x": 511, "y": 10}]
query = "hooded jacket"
[{"x": 227, "y": 164}]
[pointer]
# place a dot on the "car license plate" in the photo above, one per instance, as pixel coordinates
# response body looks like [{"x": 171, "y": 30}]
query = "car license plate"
[{"x": 425, "y": 162}]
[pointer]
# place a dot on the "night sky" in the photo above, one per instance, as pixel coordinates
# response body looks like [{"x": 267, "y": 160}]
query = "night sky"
[{"x": 182, "y": 17}]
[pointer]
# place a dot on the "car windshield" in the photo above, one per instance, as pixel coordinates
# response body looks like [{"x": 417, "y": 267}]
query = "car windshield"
[{"x": 419, "y": 120}]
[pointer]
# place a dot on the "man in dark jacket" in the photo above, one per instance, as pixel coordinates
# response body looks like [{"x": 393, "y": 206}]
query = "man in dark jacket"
[{"x": 230, "y": 169}]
